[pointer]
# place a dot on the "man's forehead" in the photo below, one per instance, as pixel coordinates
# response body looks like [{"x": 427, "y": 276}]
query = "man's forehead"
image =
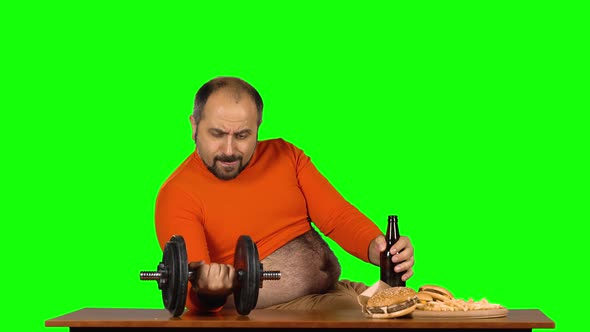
[
  {"x": 228, "y": 124},
  {"x": 229, "y": 116},
  {"x": 227, "y": 98}
]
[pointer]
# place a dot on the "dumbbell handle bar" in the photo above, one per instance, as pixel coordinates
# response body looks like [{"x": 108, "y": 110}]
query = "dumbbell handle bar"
[{"x": 155, "y": 275}]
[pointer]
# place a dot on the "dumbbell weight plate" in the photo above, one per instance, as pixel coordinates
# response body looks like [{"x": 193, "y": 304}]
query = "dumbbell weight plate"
[
  {"x": 248, "y": 270},
  {"x": 176, "y": 263}
]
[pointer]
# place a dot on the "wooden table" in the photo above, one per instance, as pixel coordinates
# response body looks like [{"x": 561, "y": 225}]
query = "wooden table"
[{"x": 275, "y": 320}]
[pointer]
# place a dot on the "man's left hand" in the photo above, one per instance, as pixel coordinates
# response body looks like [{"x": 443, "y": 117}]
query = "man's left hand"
[{"x": 402, "y": 254}]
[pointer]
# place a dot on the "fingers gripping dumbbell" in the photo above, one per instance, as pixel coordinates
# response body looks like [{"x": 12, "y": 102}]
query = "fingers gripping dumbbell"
[{"x": 173, "y": 275}]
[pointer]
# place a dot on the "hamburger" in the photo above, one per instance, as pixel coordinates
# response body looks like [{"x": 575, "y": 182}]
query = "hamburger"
[
  {"x": 436, "y": 292},
  {"x": 423, "y": 298},
  {"x": 392, "y": 302}
]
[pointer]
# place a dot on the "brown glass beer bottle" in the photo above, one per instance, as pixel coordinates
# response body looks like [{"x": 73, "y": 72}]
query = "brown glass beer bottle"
[{"x": 388, "y": 275}]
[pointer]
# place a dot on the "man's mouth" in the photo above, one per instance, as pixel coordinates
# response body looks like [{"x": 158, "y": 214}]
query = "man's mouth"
[{"x": 229, "y": 164}]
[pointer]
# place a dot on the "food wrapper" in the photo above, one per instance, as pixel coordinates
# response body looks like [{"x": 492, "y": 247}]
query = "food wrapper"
[{"x": 364, "y": 296}]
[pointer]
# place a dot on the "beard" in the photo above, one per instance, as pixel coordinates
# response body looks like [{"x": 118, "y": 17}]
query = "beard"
[{"x": 226, "y": 172}]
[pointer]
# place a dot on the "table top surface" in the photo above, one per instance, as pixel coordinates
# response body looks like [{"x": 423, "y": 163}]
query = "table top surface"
[{"x": 103, "y": 317}]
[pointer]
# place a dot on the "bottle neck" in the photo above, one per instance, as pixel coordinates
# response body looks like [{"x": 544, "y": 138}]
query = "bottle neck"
[{"x": 392, "y": 234}]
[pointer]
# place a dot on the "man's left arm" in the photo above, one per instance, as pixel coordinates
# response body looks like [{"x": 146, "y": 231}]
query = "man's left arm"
[
  {"x": 332, "y": 214},
  {"x": 344, "y": 223}
]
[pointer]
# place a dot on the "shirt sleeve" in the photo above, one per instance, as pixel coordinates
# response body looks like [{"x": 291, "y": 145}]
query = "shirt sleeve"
[
  {"x": 178, "y": 213},
  {"x": 332, "y": 213}
]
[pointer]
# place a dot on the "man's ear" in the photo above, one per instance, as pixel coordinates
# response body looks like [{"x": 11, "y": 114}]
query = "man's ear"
[{"x": 194, "y": 127}]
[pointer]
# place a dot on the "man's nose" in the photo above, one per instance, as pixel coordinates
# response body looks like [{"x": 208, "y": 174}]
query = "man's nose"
[{"x": 229, "y": 146}]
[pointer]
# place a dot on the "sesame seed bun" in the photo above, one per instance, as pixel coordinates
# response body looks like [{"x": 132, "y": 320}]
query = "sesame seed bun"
[
  {"x": 437, "y": 292},
  {"x": 392, "y": 302}
]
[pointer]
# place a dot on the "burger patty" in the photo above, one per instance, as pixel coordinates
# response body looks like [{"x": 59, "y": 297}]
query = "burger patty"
[{"x": 394, "y": 307}]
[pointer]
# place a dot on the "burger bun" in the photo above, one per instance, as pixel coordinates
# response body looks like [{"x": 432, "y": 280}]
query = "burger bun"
[
  {"x": 392, "y": 302},
  {"x": 436, "y": 292}
]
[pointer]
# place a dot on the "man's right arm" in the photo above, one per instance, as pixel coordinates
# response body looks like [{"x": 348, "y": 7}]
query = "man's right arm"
[{"x": 178, "y": 213}]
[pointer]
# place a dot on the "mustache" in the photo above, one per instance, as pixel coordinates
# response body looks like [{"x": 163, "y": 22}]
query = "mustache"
[{"x": 227, "y": 159}]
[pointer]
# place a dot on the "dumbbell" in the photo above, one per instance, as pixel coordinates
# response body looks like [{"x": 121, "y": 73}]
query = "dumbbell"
[{"x": 173, "y": 275}]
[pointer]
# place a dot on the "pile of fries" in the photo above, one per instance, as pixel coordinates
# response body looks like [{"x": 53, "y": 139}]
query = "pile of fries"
[
  {"x": 458, "y": 305},
  {"x": 437, "y": 298}
]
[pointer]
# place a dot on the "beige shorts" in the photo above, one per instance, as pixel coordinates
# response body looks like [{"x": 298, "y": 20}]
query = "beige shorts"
[{"x": 342, "y": 296}]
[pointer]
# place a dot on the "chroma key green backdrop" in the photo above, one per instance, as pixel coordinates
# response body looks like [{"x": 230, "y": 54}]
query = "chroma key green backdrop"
[{"x": 469, "y": 121}]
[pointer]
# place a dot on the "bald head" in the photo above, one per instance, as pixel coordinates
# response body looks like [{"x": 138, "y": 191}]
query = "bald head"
[{"x": 232, "y": 86}]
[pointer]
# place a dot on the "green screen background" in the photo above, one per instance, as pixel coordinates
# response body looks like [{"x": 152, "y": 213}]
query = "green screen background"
[{"x": 467, "y": 121}]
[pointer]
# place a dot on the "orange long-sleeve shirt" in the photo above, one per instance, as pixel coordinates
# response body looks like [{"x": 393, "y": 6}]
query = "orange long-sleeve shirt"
[{"x": 273, "y": 201}]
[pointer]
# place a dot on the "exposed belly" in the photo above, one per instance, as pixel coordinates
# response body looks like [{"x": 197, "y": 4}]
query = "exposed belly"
[{"x": 307, "y": 266}]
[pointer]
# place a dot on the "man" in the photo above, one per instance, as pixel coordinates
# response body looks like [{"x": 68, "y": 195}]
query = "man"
[{"x": 234, "y": 184}]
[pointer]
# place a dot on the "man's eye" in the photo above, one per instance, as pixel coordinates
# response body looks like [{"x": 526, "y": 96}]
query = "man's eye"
[
  {"x": 241, "y": 136},
  {"x": 216, "y": 134}
]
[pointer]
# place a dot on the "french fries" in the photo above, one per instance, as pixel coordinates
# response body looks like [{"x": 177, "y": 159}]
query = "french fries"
[{"x": 458, "y": 305}]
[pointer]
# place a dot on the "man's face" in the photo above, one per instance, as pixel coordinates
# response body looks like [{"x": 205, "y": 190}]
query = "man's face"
[{"x": 227, "y": 133}]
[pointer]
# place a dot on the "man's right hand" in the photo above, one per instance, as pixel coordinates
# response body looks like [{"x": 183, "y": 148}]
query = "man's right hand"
[{"x": 214, "y": 282}]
